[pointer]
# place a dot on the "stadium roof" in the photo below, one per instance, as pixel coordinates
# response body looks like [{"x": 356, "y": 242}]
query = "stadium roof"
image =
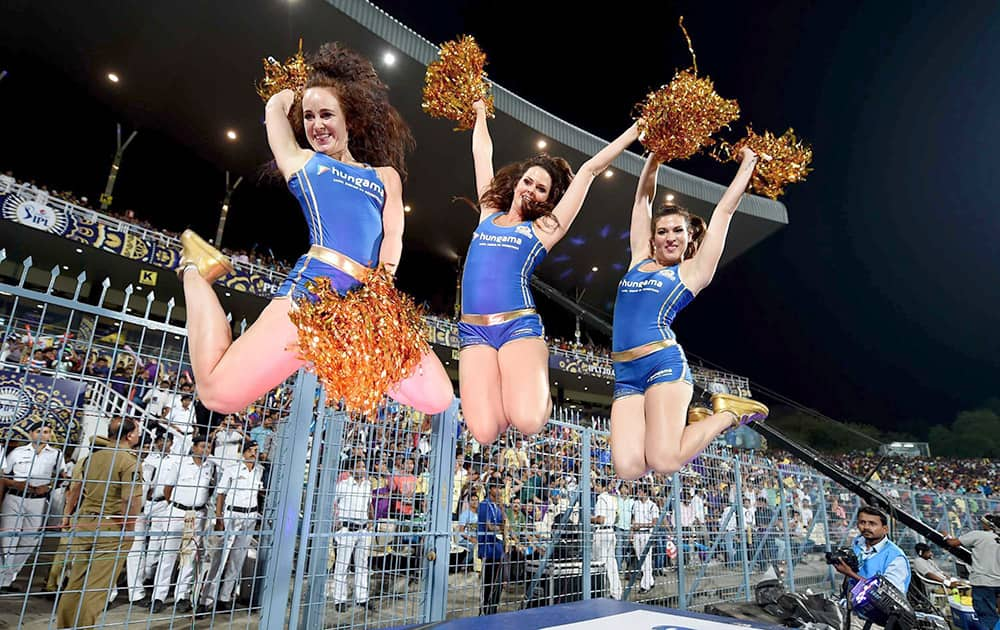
[{"x": 188, "y": 68}]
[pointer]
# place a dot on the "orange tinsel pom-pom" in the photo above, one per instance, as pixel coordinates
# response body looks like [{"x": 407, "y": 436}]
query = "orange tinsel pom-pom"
[
  {"x": 457, "y": 80},
  {"x": 291, "y": 75},
  {"x": 785, "y": 160},
  {"x": 362, "y": 343},
  {"x": 678, "y": 119}
]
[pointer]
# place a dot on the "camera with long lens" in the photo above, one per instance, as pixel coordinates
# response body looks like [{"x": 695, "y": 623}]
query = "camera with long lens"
[{"x": 843, "y": 554}]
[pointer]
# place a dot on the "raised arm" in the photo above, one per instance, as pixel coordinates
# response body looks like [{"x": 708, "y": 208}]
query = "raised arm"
[
  {"x": 698, "y": 271},
  {"x": 288, "y": 155},
  {"x": 642, "y": 211},
  {"x": 571, "y": 202},
  {"x": 482, "y": 155},
  {"x": 392, "y": 219}
]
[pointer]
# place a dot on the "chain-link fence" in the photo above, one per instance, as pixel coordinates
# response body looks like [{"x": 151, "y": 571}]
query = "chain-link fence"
[{"x": 126, "y": 503}]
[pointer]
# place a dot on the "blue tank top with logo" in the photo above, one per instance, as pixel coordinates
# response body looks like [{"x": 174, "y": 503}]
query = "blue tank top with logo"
[
  {"x": 343, "y": 205},
  {"x": 498, "y": 267},
  {"x": 646, "y": 305}
]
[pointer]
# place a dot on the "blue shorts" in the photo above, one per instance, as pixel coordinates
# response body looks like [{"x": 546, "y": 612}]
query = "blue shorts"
[
  {"x": 308, "y": 268},
  {"x": 667, "y": 365},
  {"x": 524, "y": 327}
]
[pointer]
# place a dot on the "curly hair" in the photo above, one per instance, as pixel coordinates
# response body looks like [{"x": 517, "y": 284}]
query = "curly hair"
[
  {"x": 378, "y": 134},
  {"x": 696, "y": 226},
  {"x": 500, "y": 194}
]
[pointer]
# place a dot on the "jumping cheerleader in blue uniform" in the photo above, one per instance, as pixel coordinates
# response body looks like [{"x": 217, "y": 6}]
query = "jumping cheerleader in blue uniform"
[
  {"x": 674, "y": 257},
  {"x": 349, "y": 186},
  {"x": 525, "y": 209}
]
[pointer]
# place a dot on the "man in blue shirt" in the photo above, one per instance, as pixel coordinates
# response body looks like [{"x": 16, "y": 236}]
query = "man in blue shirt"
[
  {"x": 490, "y": 524},
  {"x": 877, "y": 555}
]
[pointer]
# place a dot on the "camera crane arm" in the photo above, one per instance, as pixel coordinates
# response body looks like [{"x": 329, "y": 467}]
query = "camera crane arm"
[{"x": 862, "y": 488}]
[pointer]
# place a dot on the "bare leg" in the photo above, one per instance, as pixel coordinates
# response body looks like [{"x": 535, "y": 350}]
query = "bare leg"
[
  {"x": 628, "y": 437},
  {"x": 479, "y": 387},
  {"x": 669, "y": 444},
  {"x": 524, "y": 380},
  {"x": 230, "y": 375},
  {"x": 428, "y": 389}
]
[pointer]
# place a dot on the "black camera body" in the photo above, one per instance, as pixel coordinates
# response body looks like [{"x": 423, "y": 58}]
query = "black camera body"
[{"x": 845, "y": 554}]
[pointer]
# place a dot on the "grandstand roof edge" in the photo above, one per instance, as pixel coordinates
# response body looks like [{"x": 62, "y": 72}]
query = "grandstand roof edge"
[{"x": 412, "y": 44}]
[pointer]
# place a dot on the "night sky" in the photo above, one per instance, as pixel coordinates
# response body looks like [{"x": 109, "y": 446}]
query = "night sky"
[{"x": 877, "y": 303}]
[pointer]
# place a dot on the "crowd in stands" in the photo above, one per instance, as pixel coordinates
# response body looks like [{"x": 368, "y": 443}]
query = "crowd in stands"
[
  {"x": 958, "y": 476},
  {"x": 263, "y": 259}
]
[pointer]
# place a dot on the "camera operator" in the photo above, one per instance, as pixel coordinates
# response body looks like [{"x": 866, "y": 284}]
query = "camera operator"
[{"x": 876, "y": 554}]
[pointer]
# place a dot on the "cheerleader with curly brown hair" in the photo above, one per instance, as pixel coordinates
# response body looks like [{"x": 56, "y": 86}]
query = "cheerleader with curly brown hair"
[
  {"x": 340, "y": 148},
  {"x": 524, "y": 210},
  {"x": 674, "y": 257}
]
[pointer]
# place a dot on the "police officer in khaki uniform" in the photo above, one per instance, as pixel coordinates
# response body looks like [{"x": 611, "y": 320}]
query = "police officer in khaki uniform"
[{"x": 108, "y": 490}]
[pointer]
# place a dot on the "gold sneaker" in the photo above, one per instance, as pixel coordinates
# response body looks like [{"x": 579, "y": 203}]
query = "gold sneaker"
[
  {"x": 210, "y": 262},
  {"x": 744, "y": 410},
  {"x": 698, "y": 413}
]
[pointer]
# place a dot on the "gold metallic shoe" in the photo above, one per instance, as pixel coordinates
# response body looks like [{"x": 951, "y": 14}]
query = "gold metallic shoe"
[
  {"x": 744, "y": 410},
  {"x": 698, "y": 413},
  {"x": 210, "y": 262}
]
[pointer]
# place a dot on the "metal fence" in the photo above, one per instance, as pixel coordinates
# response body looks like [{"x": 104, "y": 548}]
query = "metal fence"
[{"x": 386, "y": 521}]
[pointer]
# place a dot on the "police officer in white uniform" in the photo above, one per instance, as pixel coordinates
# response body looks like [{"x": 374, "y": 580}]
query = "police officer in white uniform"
[
  {"x": 353, "y": 508},
  {"x": 182, "y": 423},
  {"x": 236, "y": 501},
  {"x": 156, "y": 510},
  {"x": 188, "y": 486},
  {"x": 142, "y": 555},
  {"x": 29, "y": 474},
  {"x": 645, "y": 513},
  {"x": 605, "y": 514}
]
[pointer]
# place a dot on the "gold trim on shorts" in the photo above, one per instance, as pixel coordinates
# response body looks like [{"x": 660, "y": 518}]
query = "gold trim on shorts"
[
  {"x": 335, "y": 259},
  {"x": 492, "y": 319},
  {"x": 644, "y": 350}
]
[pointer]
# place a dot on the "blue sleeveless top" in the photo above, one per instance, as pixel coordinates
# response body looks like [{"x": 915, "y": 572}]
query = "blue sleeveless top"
[
  {"x": 498, "y": 267},
  {"x": 343, "y": 205},
  {"x": 646, "y": 305}
]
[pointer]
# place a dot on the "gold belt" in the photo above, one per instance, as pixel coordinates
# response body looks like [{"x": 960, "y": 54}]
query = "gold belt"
[
  {"x": 493, "y": 319},
  {"x": 335, "y": 259},
  {"x": 645, "y": 349}
]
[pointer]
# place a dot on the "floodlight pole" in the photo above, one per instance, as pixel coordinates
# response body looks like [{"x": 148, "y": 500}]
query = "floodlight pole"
[
  {"x": 115, "y": 165},
  {"x": 225, "y": 208}
]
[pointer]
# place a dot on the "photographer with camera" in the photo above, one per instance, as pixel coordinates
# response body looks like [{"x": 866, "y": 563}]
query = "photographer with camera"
[{"x": 876, "y": 554}]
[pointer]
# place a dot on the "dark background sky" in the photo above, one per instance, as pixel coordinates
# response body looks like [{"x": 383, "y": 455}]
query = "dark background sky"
[{"x": 877, "y": 303}]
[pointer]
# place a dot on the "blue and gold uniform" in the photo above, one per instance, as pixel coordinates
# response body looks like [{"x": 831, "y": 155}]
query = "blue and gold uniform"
[
  {"x": 342, "y": 204},
  {"x": 644, "y": 348},
  {"x": 497, "y": 305}
]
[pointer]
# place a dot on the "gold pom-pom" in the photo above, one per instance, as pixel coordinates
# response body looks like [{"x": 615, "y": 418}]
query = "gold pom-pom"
[
  {"x": 278, "y": 76},
  {"x": 362, "y": 343},
  {"x": 784, "y": 160},
  {"x": 677, "y": 120},
  {"x": 457, "y": 80}
]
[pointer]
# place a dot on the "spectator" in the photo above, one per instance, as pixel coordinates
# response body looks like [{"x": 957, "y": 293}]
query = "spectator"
[{"x": 984, "y": 545}]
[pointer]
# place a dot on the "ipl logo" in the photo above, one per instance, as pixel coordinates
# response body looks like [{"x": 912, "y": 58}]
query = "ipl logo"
[
  {"x": 14, "y": 405},
  {"x": 34, "y": 215}
]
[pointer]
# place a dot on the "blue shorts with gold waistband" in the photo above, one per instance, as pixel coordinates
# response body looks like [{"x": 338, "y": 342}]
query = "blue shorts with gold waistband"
[
  {"x": 308, "y": 268},
  {"x": 496, "y": 335},
  {"x": 667, "y": 365}
]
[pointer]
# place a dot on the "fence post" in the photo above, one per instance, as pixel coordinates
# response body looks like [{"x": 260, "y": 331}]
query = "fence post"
[
  {"x": 322, "y": 502},
  {"x": 826, "y": 531},
  {"x": 437, "y": 545},
  {"x": 586, "y": 511},
  {"x": 679, "y": 543},
  {"x": 741, "y": 523},
  {"x": 289, "y": 475},
  {"x": 784, "y": 522}
]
